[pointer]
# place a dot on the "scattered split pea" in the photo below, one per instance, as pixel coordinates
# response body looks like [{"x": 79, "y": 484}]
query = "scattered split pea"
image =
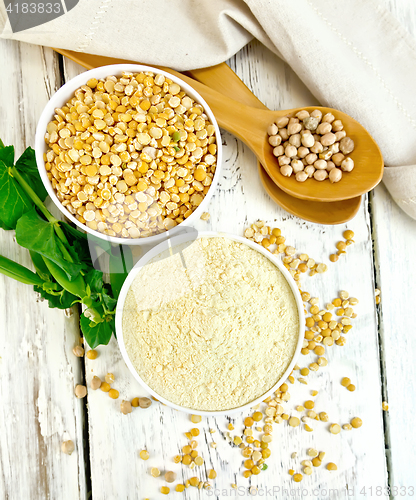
[
  {"x": 92, "y": 354},
  {"x": 335, "y": 429},
  {"x": 331, "y": 466}
]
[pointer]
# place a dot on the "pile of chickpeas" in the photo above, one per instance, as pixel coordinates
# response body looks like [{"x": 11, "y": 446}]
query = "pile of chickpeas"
[
  {"x": 131, "y": 156},
  {"x": 311, "y": 145}
]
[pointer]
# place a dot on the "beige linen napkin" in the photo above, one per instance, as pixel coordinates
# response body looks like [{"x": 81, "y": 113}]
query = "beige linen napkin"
[{"x": 352, "y": 54}]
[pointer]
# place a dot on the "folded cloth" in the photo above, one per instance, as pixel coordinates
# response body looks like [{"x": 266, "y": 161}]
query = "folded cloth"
[{"x": 352, "y": 54}]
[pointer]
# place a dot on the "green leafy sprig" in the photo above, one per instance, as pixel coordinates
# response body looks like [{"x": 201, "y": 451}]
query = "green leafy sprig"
[{"x": 65, "y": 274}]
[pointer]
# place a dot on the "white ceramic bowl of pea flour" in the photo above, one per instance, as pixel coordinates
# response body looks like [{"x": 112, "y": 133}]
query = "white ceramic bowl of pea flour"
[
  {"x": 210, "y": 326},
  {"x": 66, "y": 92}
]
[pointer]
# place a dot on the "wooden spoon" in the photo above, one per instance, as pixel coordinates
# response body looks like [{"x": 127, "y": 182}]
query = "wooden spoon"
[
  {"x": 249, "y": 125},
  {"x": 332, "y": 213},
  {"x": 223, "y": 79}
]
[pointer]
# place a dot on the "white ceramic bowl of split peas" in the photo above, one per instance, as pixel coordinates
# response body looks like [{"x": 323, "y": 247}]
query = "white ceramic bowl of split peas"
[{"x": 128, "y": 152}]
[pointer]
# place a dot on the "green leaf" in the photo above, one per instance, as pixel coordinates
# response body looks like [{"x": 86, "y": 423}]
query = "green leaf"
[
  {"x": 96, "y": 333},
  {"x": 60, "y": 300},
  {"x": 73, "y": 233},
  {"x": 51, "y": 291},
  {"x": 18, "y": 272},
  {"x": 1, "y": 144},
  {"x": 34, "y": 233},
  {"x": 7, "y": 155},
  {"x": 117, "y": 280},
  {"x": 94, "y": 278},
  {"x": 76, "y": 286},
  {"x": 121, "y": 263},
  {"x": 27, "y": 166},
  {"x": 40, "y": 266},
  {"x": 109, "y": 301},
  {"x": 79, "y": 245},
  {"x": 14, "y": 202},
  {"x": 3, "y": 226}
]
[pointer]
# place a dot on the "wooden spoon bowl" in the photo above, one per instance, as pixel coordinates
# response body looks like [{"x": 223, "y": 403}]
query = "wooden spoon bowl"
[
  {"x": 333, "y": 212},
  {"x": 250, "y": 124}
]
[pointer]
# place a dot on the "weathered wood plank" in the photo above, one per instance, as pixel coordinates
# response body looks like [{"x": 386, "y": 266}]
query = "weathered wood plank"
[
  {"x": 394, "y": 240},
  {"x": 115, "y": 439},
  {"x": 394, "y": 235},
  {"x": 37, "y": 368}
]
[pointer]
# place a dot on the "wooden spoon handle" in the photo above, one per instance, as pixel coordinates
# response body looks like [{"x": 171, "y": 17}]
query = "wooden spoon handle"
[
  {"x": 241, "y": 120},
  {"x": 223, "y": 79}
]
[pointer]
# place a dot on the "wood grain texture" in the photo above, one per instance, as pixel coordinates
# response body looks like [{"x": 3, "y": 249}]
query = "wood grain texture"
[
  {"x": 394, "y": 239},
  {"x": 115, "y": 439},
  {"x": 394, "y": 235},
  {"x": 37, "y": 369}
]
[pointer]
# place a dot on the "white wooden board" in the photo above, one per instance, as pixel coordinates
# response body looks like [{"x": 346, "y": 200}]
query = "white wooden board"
[
  {"x": 394, "y": 235},
  {"x": 395, "y": 239},
  {"x": 38, "y": 371},
  {"x": 116, "y": 440}
]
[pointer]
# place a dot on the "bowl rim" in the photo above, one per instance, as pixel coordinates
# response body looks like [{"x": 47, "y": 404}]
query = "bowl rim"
[
  {"x": 173, "y": 242},
  {"x": 58, "y": 99}
]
